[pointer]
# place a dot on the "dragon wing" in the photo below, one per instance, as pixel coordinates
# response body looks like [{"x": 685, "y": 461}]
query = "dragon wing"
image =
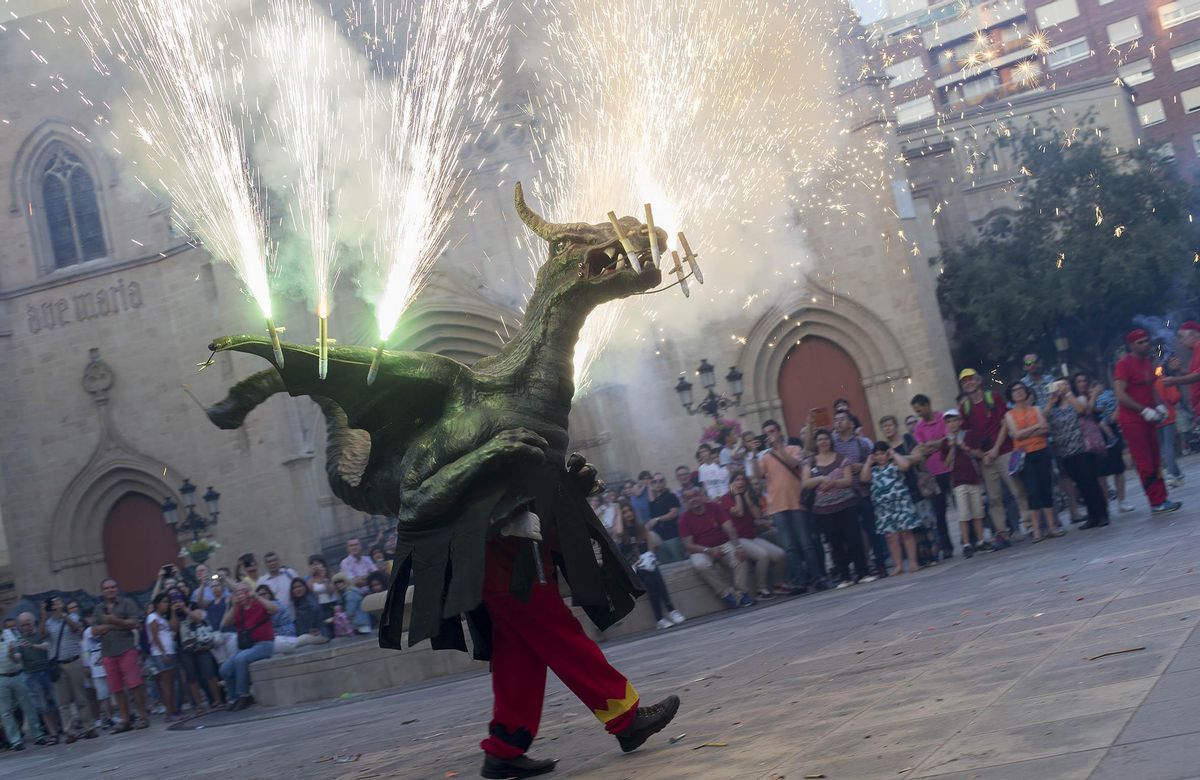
[{"x": 410, "y": 394}]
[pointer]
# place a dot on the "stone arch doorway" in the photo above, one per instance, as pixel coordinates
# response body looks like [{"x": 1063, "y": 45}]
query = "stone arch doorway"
[
  {"x": 137, "y": 542},
  {"x": 816, "y": 371}
]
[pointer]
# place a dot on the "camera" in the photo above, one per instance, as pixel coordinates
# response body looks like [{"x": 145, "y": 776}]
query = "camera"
[
  {"x": 48, "y": 604},
  {"x": 168, "y": 570}
]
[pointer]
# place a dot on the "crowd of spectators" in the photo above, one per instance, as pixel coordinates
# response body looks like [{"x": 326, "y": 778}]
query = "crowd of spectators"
[
  {"x": 761, "y": 514},
  {"x": 73, "y": 673}
]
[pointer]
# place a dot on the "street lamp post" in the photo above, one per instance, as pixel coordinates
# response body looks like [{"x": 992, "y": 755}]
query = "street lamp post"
[
  {"x": 194, "y": 523},
  {"x": 713, "y": 403}
]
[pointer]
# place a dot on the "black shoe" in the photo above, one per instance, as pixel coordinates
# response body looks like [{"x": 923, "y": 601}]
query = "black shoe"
[
  {"x": 18, "y": 746},
  {"x": 521, "y": 766},
  {"x": 647, "y": 722}
]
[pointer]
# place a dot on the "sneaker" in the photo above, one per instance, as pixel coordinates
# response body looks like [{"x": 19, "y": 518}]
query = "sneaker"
[
  {"x": 676, "y": 617},
  {"x": 664, "y": 623},
  {"x": 730, "y": 600},
  {"x": 521, "y": 766},
  {"x": 647, "y": 722},
  {"x": 746, "y": 600},
  {"x": 869, "y": 578},
  {"x": 985, "y": 546},
  {"x": 1125, "y": 506},
  {"x": 1173, "y": 482},
  {"x": 967, "y": 551},
  {"x": 764, "y": 595},
  {"x": 1000, "y": 543},
  {"x": 362, "y": 630},
  {"x": 1166, "y": 506},
  {"x": 18, "y": 746},
  {"x": 844, "y": 584}
]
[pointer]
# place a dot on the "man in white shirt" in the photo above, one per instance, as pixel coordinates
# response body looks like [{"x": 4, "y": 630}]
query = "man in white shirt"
[
  {"x": 279, "y": 579},
  {"x": 713, "y": 476},
  {"x": 357, "y": 566}
]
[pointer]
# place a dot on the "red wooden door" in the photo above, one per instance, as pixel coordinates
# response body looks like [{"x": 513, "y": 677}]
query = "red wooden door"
[
  {"x": 137, "y": 542},
  {"x": 815, "y": 373}
]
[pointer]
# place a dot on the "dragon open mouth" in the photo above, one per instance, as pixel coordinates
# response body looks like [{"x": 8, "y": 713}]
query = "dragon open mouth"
[{"x": 612, "y": 259}]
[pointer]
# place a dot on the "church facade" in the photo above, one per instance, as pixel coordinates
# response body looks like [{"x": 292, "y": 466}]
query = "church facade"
[{"x": 106, "y": 311}]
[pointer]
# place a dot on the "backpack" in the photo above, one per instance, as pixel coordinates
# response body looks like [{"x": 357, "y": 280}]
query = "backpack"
[
  {"x": 989, "y": 401},
  {"x": 196, "y": 638}
]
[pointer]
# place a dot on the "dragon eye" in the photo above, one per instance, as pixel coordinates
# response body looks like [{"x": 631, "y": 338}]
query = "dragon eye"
[{"x": 557, "y": 247}]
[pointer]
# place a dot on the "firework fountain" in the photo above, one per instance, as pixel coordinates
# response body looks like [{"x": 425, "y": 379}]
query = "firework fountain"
[
  {"x": 307, "y": 61},
  {"x": 701, "y": 115},
  {"x": 185, "y": 120},
  {"x": 444, "y": 80}
]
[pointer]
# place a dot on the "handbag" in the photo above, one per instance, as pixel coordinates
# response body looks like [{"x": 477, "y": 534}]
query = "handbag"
[
  {"x": 244, "y": 642},
  {"x": 808, "y": 496},
  {"x": 1093, "y": 437},
  {"x": 1016, "y": 462},
  {"x": 196, "y": 638}
]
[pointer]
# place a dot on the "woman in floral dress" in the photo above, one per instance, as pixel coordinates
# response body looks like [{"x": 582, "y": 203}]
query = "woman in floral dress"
[{"x": 895, "y": 514}]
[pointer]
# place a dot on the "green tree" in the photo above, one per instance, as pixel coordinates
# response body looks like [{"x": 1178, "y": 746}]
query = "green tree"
[{"x": 1098, "y": 239}]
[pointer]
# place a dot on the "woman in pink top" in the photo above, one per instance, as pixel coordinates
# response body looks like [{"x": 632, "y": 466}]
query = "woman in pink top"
[{"x": 930, "y": 430}]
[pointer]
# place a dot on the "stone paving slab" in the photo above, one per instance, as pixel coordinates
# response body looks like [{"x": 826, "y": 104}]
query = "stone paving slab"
[{"x": 972, "y": 669}]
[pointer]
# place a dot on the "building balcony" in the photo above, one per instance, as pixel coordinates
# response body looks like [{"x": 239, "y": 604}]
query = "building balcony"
[
  {"x": 1001, "y": 92},
  {"x": 997, "y": 56},
  {"x": 971, "y": 22}
]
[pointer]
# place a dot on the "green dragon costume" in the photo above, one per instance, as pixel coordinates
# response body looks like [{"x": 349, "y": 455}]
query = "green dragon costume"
[{"x": 451, "y": 450}]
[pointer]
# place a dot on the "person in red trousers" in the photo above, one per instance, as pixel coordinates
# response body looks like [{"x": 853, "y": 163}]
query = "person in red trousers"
[
  {"x": 1139, "y": 412},
  {"x": 530, "y": 637}
]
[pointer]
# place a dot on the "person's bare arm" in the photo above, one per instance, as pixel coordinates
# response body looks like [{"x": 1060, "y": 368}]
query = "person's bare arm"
[
  {"x": 227, "y": 618},
  {"x": 1186, "y": 379},
  {"x": 155, "y": 629},
  {"x": 691, "y": 547},
  {"x": 902, "y": 462},
  {"x": 864, "y": 476},
  {"x": 730, "y": 531},
  {"x": 271, "y": 606}
]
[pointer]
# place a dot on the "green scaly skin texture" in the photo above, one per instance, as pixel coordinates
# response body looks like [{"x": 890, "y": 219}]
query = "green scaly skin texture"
[{"x": 436, "y": 425}]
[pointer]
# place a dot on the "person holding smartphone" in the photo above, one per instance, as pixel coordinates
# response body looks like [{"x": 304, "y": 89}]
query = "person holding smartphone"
[{"x": 64, "y": 633}]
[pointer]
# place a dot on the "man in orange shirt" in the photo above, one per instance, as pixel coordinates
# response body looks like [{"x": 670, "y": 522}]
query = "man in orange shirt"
[{"x": 780, "y": 464}]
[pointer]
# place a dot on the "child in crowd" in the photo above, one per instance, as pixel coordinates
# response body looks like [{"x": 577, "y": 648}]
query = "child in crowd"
[
  {"x": 895, "y": 514},
  {"x": 959, "y": 450}
]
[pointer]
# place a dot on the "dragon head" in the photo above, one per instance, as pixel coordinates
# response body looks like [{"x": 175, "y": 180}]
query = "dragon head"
[{"x": 587, "y": 264}]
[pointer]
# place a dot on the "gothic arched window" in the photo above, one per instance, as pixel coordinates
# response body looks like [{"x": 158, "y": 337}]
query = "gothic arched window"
[{"x": 71, "y": 209}]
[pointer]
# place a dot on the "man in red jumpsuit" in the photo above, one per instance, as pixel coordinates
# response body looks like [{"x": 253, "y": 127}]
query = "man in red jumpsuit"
[
  {"x": 1138, "y": 413},
  {"x": 539, "y": 634}
]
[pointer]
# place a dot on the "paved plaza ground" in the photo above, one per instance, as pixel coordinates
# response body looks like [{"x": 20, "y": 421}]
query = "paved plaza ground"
[{"x": 1074, "y": 658}]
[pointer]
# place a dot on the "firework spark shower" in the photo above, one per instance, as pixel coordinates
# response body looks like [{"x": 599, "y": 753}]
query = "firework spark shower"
[
  {"x": 181, "y": 53},
  {"x": 445, "y": 80},
  {"x": 697, "y": 108}
]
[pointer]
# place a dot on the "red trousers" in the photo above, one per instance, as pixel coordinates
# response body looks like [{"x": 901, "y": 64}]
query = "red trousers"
[
  {"x": 527, "y": 639},
  {"x": 1142, "y": 438}
]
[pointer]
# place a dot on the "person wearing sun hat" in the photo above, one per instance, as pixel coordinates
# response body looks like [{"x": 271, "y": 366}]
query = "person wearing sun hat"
[
  {"x": 982, "y": 414},
  {"x": 1139, "y": 411}
]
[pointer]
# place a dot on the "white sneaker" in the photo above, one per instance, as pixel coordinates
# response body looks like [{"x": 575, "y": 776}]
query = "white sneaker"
[
  {"x": 869, "y": 578},
  {"x": 664, "y": 623},
  {"x": 1174, "y": 482},
  {"x": 676, "y": 617},
  {"x": 1125, "y": 506},
  {"x": 844, "y": 584}
]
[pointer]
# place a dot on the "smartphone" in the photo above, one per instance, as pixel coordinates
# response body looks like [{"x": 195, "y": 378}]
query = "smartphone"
[{"x": 821, "y": 417}]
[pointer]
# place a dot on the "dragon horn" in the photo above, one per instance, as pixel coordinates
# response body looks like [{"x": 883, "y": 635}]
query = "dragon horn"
[{"x": 532, "y": 219}]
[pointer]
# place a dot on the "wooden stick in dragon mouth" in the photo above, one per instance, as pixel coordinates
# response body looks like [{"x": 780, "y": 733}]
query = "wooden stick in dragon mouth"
[
  {"x": 625, "y": 242},
  {"x": 654, "y": 251},
  {"x": 683, "y": 285},
  {"x": 691, "y": 258}
]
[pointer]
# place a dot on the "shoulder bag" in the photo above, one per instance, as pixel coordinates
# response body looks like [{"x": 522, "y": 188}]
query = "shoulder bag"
[
  {"x": 244, "y": 642},
  {"x": 807, "y": 495}
]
